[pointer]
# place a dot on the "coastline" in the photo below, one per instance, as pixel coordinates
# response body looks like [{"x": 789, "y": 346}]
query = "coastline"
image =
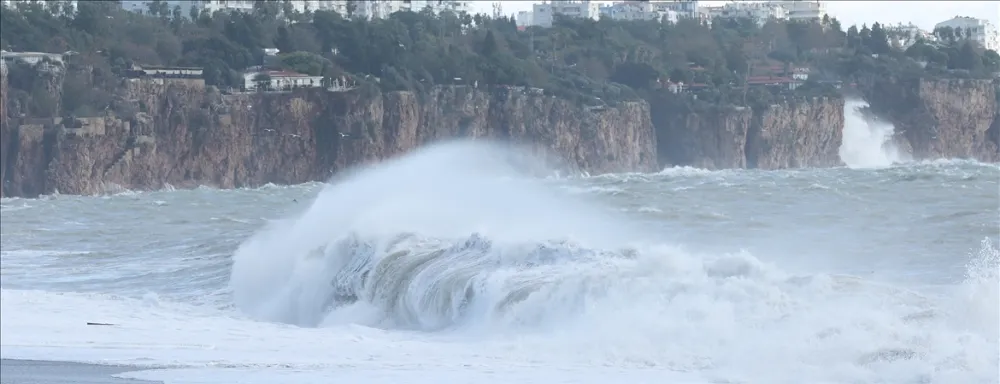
[{"x": 15, "y": 371}]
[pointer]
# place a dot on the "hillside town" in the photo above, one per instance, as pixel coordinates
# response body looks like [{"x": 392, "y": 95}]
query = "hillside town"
[
  {"x": 981, "y": 31},
  {"x": 273, "y": 73}
]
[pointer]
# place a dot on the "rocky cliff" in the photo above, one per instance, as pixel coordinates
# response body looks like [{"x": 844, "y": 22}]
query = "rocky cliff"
[
  {"x": 950, "y": 118},
  {"x": 5, "y": 131},
  {"x": 185, "y": 135},
  {"x": 805, "y": 133}
]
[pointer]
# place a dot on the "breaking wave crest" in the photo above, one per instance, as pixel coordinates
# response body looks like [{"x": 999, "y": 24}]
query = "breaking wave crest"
[{"x": 427, "y": 241}]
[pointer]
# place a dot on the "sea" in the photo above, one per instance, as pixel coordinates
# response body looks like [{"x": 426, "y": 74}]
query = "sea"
[{"x": 452, "y": 265}]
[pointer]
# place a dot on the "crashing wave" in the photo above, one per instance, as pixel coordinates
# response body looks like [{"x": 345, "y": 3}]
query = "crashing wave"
[
  {"x": 440, "y": 242},
  {"x": 426, "y": 283}
]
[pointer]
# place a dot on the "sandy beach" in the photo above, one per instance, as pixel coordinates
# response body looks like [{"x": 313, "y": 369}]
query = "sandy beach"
[{"x": 56, "y": 372}]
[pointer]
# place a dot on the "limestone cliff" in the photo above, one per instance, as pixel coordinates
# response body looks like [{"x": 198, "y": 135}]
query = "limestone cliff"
[
  {"x": 186, "y": 136},
  {"x": 805, "y": 133},
  {"x": 5, "y": 131},
  {"x": 951, "y": 118}
]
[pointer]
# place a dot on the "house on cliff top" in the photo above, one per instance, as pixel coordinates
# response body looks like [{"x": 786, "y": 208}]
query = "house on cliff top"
[
  {"x": 278, "y": 80},
  {"x": 192, "y": 76},
  {"x": 33, "y": 58}
]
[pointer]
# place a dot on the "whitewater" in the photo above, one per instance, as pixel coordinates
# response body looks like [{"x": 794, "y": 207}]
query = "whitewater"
[{"x": 451, "y": 264}]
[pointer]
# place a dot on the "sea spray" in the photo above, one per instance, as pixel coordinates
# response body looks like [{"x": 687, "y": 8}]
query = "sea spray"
[
  {"x": 412, "y": 218},
  {"x": 451, "y": 243},
  {"x": 867, "y": 143}
]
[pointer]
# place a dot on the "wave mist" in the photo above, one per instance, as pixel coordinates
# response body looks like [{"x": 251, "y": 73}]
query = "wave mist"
[
  {"x": 452, "y": 239},
  {"x": 867, "y": 142}
]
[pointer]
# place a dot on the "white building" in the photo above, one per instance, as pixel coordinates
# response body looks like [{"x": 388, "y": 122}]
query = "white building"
[
  {"x": 436, "y": 5},
  {"x": 524, "y": 18},
  {"x": 59, "y": 6},
  {"x": 372, "y": 9},
  {"x": 983, "y": 31},
  {"x": 339, "y": 6},
  {"x": 637, "y": 10},
  {"x": 31, "y": 58},
  {"x": 224, "y": 5},
  {"x": 759, "y": 12},
  {"x": 683, "y": 8},
  {"x": 803, "y": 10},
  {"x": 280, "y": 80},
  {"x": 142, "y": 6},
  {"x": 543, "y": 14},
  {"x": 905, "y": 35}
]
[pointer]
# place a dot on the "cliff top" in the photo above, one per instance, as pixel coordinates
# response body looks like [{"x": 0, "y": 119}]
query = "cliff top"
[{"x": 733, "y": 62}]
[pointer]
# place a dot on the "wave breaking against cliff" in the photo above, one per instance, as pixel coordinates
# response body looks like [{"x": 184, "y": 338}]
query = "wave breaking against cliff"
[
  {"x": 868, "y": 142},
  {"x": 449, "y": 239}
]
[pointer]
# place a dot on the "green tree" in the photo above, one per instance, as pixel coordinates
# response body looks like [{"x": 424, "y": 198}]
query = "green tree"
[
  {"x": 592, "y": 61},
  {"x": 968, "y": 58},
  {"x": 284, "y": 42},
  {"x": 489, "y": 44},
  {"x": 991, "y": 61},
  {"x": 306, "y": 62},
  {"x": 879, "y": 42}
]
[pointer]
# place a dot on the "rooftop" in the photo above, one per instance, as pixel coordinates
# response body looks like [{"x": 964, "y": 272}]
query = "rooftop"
[{"x": 276, "y": 73}]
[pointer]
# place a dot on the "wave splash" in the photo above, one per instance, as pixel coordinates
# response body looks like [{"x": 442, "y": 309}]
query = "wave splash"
[
  {"x": 449, "y": 238},
  {"x": 868, "y": 143},
  {"x": 427, "y": 241}
]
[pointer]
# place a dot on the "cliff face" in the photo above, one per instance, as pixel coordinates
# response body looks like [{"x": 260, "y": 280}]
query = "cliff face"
[
  {"x": 5, "y": 132},
  {"x": 800, "y": 134},
  {"x": 942, "y": 118},
  {"x": 187, "y": 136}
]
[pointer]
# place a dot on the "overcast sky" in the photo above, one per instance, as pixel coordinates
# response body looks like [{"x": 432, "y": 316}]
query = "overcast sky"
[{"x": 922, "y": 13}]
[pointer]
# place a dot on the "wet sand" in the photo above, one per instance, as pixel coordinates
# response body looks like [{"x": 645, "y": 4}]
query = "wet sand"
[{"x": 56, "y": 372}]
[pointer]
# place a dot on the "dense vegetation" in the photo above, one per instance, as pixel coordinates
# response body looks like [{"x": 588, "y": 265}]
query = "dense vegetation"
[{"x": 593, "y": 62}]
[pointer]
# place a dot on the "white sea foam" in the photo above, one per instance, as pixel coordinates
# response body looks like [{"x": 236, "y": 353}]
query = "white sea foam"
[{"x": 731, "y": 318}]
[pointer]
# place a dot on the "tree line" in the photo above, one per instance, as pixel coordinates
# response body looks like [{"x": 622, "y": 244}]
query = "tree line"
[{"x": 591, "y": 61}]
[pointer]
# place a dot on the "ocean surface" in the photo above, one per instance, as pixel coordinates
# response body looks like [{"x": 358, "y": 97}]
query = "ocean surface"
[{"x": 451, "y": 266}]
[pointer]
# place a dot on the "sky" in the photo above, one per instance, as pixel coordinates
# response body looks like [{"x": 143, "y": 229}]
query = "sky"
[{"x": 924, "y": 14}]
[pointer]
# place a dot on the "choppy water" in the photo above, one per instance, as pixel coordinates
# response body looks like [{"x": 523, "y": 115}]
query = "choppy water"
[{"x": 446, "y": 266}]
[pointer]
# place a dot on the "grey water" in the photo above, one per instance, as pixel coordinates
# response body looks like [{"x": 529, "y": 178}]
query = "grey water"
[{"x": 915, "y": 225}]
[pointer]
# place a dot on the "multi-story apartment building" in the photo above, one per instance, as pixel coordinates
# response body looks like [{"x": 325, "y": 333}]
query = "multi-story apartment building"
[
  {"x": 683, "y": 8},
  {"x": 366, "y": 9},
  {"x": 543, "y": 14},
  {"x": 981, "y": 31},
  {"x": 759, "y": 12},
  {"x": 142, "y": 6},
  {"x": 905, "y": 35},
  {"x": 55, "y": 5},
  {"x": 435, "y": 5},
  {"x": 222, "y": 5},
  {"x": 524, "y": 18},
  {"x": 339, "y": 6},
  {"x": 637, "y": 10},
  {"x": 803, "y": 10}
]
